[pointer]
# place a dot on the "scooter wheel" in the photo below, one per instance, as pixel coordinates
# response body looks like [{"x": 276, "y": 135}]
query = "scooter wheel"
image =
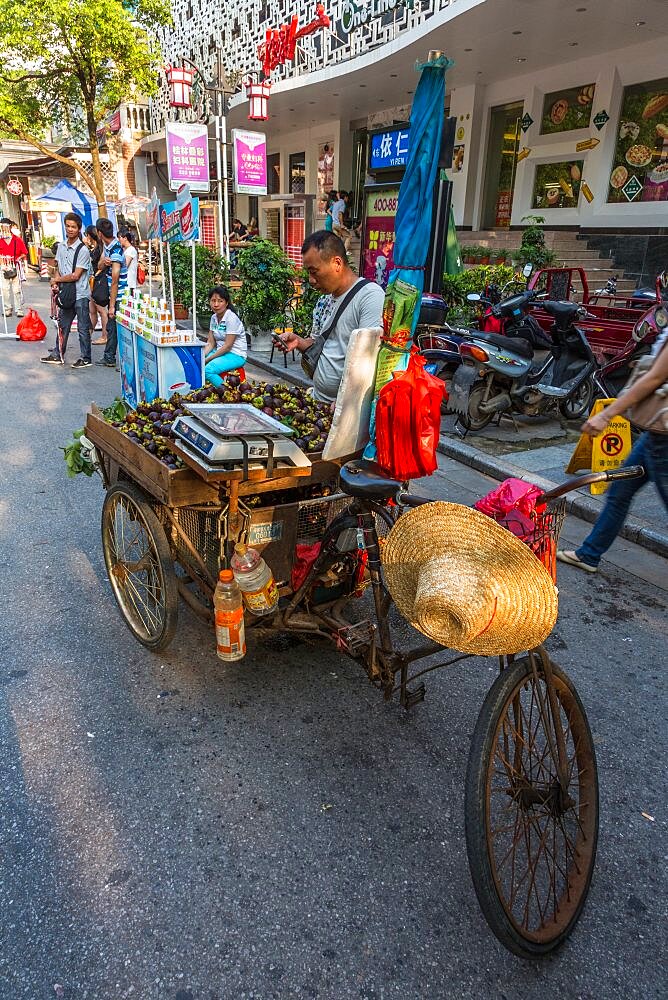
[
  {"x": 474, "y": 420},
  {"x": 579, "y": 404}
]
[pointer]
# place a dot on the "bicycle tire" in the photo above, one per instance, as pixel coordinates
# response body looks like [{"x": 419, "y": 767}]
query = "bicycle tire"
[{"x": 529, "y": 798}]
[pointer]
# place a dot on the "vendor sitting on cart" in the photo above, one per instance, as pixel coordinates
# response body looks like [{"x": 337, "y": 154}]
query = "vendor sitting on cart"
[
  {"x": 226, "y": 347},
  {"x": 350, "y": 303}
]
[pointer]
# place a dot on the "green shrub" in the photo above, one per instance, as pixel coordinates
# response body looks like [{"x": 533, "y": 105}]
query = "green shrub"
[
  {"x": 210, "y": 269},
  {"x": 268, "y": 285},
  {"x": 532, "y": 249},
  {"x": 302, "y": 316},
  {"x": 456, "y": 287}
]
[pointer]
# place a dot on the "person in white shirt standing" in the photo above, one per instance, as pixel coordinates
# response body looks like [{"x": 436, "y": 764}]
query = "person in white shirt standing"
[
  {"x": 226, "y": 347},
  {"x": 131, "y": 256}
]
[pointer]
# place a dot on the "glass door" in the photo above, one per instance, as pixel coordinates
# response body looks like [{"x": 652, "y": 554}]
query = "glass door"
[{"x": 502, "y": 151}]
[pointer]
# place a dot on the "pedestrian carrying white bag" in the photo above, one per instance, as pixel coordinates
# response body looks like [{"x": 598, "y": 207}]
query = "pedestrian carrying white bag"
[{"x": 352, "y": 411}]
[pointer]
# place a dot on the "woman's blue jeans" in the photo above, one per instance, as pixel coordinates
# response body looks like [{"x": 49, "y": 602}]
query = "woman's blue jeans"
[
  {"x": 650, "y": 451},
  {"x": 225, "y": 363}
]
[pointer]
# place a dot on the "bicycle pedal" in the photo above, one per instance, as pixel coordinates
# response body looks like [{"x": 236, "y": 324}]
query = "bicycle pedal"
[{"x": 353, "y": 639}]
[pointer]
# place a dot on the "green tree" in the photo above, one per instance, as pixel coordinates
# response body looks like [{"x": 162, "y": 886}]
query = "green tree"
[{"x": 66, "y": 64}]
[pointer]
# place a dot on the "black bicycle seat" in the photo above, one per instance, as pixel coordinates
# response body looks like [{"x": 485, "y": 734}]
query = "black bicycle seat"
[{"x": 367, "y": 481}]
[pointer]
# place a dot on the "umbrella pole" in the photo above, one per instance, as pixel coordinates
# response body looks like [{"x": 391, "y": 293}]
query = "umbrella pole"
[
  {"x": 150, "y": 269},
  {"x": 171, "y": 282},
  {"x": 194, "y": 291}
]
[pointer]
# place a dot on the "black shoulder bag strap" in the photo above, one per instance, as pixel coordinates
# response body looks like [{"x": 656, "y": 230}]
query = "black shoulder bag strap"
[{"x": 311, "y": 355}]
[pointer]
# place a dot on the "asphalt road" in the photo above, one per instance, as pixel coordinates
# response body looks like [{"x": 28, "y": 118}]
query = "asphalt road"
[{"x": 175, "y": 828}]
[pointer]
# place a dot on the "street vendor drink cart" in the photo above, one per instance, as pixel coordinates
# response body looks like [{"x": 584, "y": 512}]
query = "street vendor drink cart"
[{"x": 331, "y": 534}]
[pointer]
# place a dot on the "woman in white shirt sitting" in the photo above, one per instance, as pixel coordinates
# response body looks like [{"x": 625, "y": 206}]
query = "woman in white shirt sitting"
[{"x": 226, "y": 347}]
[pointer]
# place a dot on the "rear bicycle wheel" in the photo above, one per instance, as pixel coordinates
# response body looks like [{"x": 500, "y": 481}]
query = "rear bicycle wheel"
[
  {"x": 531, "y": 842},
  {"x": 139, "y": 565}
]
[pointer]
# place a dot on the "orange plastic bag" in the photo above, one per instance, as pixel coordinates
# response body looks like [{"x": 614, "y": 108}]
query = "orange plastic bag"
[
  {"x": 408, "y": 421},
  {"x": 31, "y": 327}
]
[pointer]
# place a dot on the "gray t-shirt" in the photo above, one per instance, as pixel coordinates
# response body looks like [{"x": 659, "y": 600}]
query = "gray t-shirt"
[
  {"x": 65, "y": 262},
  {"x": 365, "y": 310}
]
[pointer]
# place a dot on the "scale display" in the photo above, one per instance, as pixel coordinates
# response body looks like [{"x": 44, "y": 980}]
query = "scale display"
[
  {"x": 233, "y": 434},
  {"x": 234, "y": 419}
]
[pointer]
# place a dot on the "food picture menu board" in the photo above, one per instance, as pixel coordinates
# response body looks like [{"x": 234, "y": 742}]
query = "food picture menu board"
[
  {"x": 639, "y": 171},
  {"x": 325, "y": 174},
  {"x": 565, "y": 110},
  {"x": 378, "y": 233},
  {"x": 557, "y": 185}
]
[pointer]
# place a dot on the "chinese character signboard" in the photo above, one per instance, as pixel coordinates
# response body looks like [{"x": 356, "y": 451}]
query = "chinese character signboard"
[
  {"x": 388, "y": 149},
  {"x": 187, "y": 156},
  {"x": 250, "y": 162},
  {"x": 378, "y": 233}
]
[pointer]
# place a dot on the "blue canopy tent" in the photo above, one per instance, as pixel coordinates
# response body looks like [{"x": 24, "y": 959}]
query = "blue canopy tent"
[{"x": 83, "y": 204}]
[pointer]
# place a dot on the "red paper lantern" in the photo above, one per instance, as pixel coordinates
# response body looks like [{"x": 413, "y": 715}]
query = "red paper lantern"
[
  {"x": 258, "y": 96},
  {"x": 180, "y": 82}
]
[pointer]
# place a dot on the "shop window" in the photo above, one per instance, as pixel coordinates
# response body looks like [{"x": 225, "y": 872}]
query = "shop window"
[
  {"x": 557, "y": 185},
  {"x": 568, "y": 109},
  {"x": 297, "y": 170},
  {"x": 639, "y": 170}
]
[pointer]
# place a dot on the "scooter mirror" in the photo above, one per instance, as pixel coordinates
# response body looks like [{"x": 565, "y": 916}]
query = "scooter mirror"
[
  {"x": 527, "y": 269},
  {"x": 473, "y": 297},
  {"x": 663, "y": 279}
]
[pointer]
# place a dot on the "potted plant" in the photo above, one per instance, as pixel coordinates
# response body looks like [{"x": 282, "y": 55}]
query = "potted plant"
[
  {"x": 532, "y": 249},
  {"x": 268, "y": 277},
  {"x": 484, "y": 255}
]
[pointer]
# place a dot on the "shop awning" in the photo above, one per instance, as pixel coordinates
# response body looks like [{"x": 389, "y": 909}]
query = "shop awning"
[{"x": 43, "y": 165}]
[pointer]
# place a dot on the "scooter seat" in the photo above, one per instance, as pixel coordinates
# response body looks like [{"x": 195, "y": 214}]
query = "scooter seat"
[{"x": 522, "y": 347}]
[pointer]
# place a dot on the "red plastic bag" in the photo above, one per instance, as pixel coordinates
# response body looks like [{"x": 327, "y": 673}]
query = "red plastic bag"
[
  {"x": 512, "y": 494},
  {"x": 31, "y": 327},
  {"x": 408, "y": 421},
  {"x": 141, "y": 274}
]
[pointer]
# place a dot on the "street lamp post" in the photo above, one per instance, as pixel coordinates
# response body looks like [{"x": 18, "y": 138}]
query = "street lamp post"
[{"x": 217, "y": 92}]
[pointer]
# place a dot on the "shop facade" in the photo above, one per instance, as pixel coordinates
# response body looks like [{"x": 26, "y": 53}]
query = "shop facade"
[{"x": 558, "y": 113}]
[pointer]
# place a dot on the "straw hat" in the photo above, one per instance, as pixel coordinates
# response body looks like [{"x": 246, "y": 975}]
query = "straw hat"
[{"x": 466, "y": 582}]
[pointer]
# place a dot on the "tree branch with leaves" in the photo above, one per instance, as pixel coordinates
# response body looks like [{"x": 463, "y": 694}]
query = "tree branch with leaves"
[{"x": 68, "y": 64}]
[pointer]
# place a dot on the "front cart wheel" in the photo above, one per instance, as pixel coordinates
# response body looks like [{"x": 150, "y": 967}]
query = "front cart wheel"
[
  {"x": 531, "y": 841},
  {"x": 139, "y": 565}
]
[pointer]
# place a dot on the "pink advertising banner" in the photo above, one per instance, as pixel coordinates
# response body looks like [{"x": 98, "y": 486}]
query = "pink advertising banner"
[
  {"x": 187, "y": 156},
  {"x": 250, "y": 162}
]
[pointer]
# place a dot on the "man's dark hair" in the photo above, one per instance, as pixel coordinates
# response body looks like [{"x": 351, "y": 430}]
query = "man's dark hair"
[
  {"x": 127, "y": 234},
  {"x": 73, "y": 217},
  {"x": 327, "y": 244},
  {"x": 105, "y": 228}
]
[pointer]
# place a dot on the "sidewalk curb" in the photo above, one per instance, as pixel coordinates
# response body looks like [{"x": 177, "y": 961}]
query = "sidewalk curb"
[{"x": 578, "y": 506}]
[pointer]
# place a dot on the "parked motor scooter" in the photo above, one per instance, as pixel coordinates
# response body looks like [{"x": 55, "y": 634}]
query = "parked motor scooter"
[
  {"x": 439, "y": 341},
  {"x": 502, "y": 374}
]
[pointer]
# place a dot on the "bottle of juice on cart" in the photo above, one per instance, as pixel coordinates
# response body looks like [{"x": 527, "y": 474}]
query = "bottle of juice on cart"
[
  {"x": 229, "y": 612},
  {"x": 255, "y": 579}
]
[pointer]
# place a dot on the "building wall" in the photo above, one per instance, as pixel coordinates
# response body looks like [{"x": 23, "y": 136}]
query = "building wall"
[{"x": 611, "y": 73}]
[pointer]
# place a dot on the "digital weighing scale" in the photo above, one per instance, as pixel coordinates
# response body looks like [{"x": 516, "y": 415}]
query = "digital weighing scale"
[{"x": 222, "y": 436}]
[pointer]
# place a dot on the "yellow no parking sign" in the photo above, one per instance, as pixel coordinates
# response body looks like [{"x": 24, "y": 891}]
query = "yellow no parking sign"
[{"x": 606, "y": 451}]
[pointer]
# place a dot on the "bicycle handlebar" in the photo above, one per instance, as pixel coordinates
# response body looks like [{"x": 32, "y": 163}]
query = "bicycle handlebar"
[
  {"x": 610, "y": 475},
  {"x": 404, "y": 499}
]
